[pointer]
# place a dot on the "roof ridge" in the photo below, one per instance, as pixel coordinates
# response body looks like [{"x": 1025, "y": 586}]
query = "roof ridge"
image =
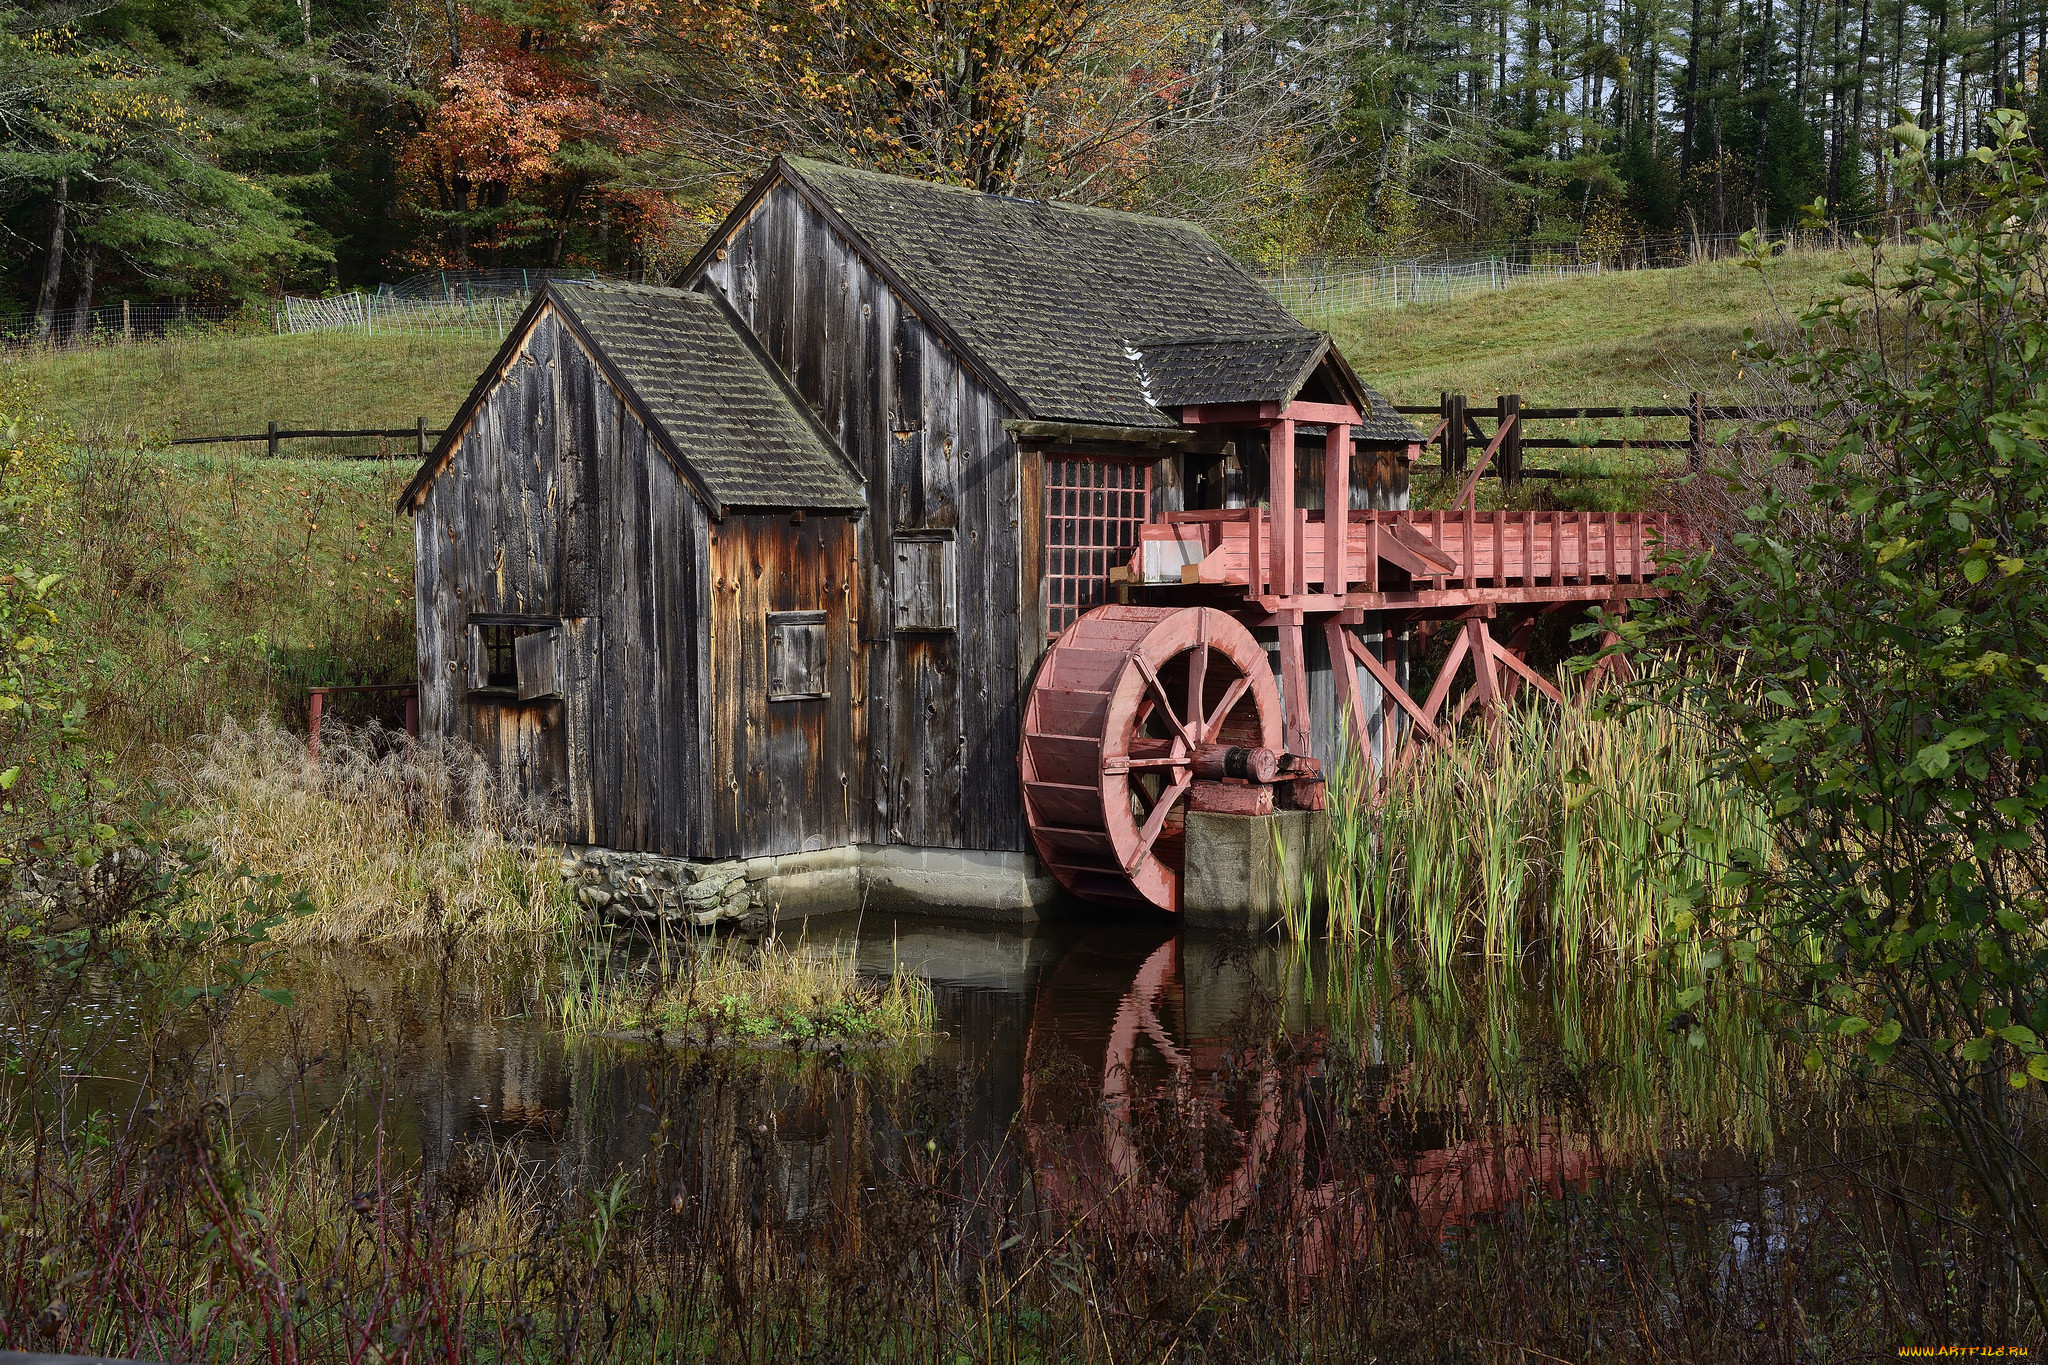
[
  {"x": 1065, "y": 205},
  {"x": 1304, "y": 333}
]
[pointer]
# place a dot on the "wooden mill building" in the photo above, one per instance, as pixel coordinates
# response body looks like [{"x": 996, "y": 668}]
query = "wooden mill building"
[{"x": 760, "y": 566}]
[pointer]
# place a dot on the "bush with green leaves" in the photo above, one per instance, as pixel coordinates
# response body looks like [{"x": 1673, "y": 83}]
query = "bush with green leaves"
[
  {"x": 1868, "y": 637},
  {"x": 48, "y": 805}
]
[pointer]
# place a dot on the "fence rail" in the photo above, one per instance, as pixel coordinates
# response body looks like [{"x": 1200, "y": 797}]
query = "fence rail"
[
  {"x": 1458, "y": 427},
  {"x": 421, "y": 435}
]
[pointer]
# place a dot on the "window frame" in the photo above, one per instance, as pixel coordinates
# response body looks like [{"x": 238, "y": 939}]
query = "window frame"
[
  {"x": 777, "y": 688},
  {"x": 949, "y": 581},
  {"x": 488, "y": 684}
]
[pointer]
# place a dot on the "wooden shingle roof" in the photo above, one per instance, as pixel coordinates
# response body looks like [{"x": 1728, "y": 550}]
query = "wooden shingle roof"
[
  {"x": 1269, "y": 368},
  {"x": 724, "y": 412},
  {"x": 1052, "y": 297},
  {"x": 726, "y": 409}
]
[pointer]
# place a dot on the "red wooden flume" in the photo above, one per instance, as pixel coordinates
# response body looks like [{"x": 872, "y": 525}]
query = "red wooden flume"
[{"x": 1135, "y": 708}]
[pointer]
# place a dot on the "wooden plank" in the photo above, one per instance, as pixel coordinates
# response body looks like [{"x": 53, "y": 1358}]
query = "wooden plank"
[
  {"x": 1420, "y": 715},
  {"x": 1280, "y": 496}
]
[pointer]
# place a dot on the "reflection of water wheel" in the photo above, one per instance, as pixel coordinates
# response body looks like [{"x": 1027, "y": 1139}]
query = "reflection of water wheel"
[
  {"x": 1208, "y": 1133},
  {"x": 1129, "y": 707}
]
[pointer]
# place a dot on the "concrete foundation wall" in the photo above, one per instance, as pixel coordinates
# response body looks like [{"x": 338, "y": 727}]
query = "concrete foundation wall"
[{"x": 1242, "y": 870}]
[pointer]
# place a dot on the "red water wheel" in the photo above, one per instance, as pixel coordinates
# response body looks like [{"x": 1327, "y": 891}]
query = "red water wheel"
[{"x": 1130, "y": 707}]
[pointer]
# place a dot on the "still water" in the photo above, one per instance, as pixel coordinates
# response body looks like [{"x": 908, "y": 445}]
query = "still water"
[{"x": 1186, "y": 1067}]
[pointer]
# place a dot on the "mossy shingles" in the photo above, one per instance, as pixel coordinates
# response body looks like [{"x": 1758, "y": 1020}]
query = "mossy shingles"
[
  {"x": 1052, "y": 296},
  {"x": 731, "y": 417}
]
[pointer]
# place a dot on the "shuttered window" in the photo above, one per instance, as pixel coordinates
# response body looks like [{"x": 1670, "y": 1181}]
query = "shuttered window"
[
  {"x": 519, "y": 655},
  {"x": 796, "y": 655},
  {"x": 925, "y": 582}
]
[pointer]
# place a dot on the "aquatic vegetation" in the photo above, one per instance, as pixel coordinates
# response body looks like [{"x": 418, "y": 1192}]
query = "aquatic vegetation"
[
  {"x": 729, "y": 992},
  {"x": 386, "y": 839},
  {"x": 1563, "y": 825}
]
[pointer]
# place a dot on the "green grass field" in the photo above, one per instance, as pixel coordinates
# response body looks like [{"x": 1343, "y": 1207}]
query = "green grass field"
[
  {"x": 228, "y": 385},
  {"x": 1640, "y": 337},
  {"x": 1645, "y": 337}
]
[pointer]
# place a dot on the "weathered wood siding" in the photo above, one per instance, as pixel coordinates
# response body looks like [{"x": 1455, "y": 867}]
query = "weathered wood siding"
[
  {"x": 941, "y": 707},
  {"x": 557, "y": 503},
  {"x": 786, "y": 776}
]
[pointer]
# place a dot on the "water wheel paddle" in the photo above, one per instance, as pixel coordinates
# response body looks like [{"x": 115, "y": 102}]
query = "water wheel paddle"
[{"x": 1130, "y": 706}]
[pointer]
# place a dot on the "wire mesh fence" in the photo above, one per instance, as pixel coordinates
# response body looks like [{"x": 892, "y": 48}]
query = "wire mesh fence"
[
  {"x": 479, "y": 303},
  {"x": 122, "y": 322},
  {"x": 1321, "y": 288}
]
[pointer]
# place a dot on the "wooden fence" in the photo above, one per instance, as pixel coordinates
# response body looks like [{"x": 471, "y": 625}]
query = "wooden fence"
[
  {"x": 1458, "y": 427},
  {"x": 422, "y": 435}
]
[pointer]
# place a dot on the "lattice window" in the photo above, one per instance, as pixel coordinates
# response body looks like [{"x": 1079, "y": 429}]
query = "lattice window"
[{"x": 1093, "y": 509}]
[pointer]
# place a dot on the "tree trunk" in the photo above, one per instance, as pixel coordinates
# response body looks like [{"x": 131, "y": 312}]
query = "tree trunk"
[
  {"x": 53, "y": 270},
  {"x": 81, "y": 311},
  {"x": 1856, "y": 96},
  {"x": 1692, "y": 92}
]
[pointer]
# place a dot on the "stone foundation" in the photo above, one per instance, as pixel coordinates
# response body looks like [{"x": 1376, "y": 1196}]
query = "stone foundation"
[
  {"x": 1243, "y": 870},
  {"x": 649, "y": 891}
]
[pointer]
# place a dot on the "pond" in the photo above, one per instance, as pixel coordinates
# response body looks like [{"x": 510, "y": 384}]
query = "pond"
[
  {"x": 1120, "y": 1132},
  {"x": 1062, "y": 1025}
]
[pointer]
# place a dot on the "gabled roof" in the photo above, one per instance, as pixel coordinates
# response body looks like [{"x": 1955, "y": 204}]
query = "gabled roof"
[
  {"x": 1267, "y": 368},
  {"x": 722, "y": 410},
  {"x": 1047, "y": 297}
]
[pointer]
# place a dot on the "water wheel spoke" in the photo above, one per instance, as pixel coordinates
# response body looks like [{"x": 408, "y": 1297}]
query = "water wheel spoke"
[
  {"x": 1212, "y": 724},
  {"x": 1156, "y": 821},
  {"x": 1198, "y": 677},
  {"x": 1159, "y": 690}
]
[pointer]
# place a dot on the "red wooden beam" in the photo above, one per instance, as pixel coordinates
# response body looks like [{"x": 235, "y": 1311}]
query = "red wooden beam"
[
  {"x": 1336, "y": 508},
  {"x": 1363, "y": 653}
]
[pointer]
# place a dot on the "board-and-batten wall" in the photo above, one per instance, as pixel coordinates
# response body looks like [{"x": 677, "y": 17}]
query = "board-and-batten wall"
[
  {"x": 941, "y": 707},
  {"x": 551, "y": 507},
  {"x": 557, "y": 504}
]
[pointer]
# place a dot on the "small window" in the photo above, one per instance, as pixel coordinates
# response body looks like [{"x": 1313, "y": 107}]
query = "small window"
[
  {"x": 523, "y": 657},
  {"x": 796, "y": 655},
  {"x": 926, "y": 581}
]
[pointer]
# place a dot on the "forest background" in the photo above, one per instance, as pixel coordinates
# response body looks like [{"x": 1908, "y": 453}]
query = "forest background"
[{"x": 219, "y": 150}]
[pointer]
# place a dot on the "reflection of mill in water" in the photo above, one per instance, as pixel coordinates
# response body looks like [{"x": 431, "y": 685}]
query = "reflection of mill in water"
[{"x": 1199, "y": 1101}]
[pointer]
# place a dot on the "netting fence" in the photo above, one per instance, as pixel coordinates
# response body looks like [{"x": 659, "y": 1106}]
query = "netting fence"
[{"x": 1321, "y": 288}]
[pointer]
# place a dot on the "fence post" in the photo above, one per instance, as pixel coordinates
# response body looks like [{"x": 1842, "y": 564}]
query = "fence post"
[
  {"x": 1696, "y": 452},
  {"x": 1454, "y": 432},
  {"x": 273, "y": 440},
  {"x": 126, "y": 334},
  {"x": 1508, "y": 407},
  {"x": 420, "y": 435}
]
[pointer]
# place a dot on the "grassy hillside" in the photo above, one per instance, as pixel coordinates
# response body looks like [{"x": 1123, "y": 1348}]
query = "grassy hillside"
[
  {"x": 1633, "y": 337},
  {"x": 1630, "y": 337},
  {"x": 222, "y": 385}
]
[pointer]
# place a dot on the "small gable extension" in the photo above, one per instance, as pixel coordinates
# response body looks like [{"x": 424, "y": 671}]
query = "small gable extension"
[{"x": 722, "y": 412}]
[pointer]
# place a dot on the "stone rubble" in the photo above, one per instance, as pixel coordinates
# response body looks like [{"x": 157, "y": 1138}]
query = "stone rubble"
[{"x": 647, "y": 891}]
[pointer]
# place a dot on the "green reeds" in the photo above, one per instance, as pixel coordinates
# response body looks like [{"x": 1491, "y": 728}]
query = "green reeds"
[{"x": 1558, "y": 824}]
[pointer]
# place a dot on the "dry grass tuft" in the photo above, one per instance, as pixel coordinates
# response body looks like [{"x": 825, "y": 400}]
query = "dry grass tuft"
[
  {"x": 769, "y": 995},
  {"x": 388, "y": 842}
]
